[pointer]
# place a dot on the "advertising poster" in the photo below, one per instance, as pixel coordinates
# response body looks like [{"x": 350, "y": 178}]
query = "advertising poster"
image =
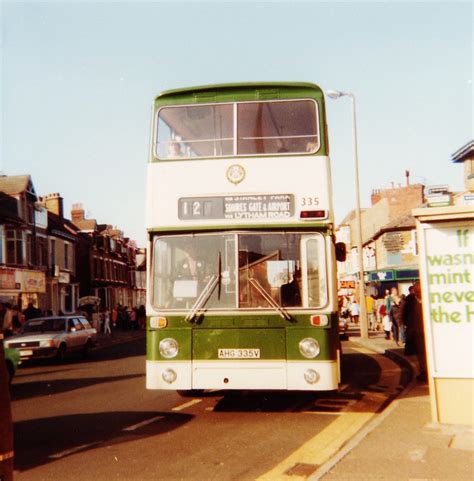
[{"x": 448, "y": 270}]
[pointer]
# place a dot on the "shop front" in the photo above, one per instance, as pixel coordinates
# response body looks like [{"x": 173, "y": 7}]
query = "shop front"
[
  {"x": 19, "y": 287},
  {"x": 33, "y": 288},
  {"x": 9, "y": 287},
  {"x": 384, "y": 279}
]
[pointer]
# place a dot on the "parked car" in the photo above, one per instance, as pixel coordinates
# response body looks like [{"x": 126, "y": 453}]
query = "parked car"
[
  {"x": 12, "y": 360},
  {"x": 56, "y": 336}
]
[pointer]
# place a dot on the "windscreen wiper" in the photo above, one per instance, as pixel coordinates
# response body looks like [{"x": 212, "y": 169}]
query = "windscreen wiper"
[
  {"x": 269, "y": 299},
  {"x": 207, "y": 292},
  {"x": 203, "y": 297}
]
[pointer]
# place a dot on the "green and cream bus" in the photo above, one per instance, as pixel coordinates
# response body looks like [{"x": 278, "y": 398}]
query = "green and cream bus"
[{"x": 241, "y": 255}]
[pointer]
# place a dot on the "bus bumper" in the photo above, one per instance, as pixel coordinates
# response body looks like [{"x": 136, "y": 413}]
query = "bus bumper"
[{"x": 291, "y": 375}]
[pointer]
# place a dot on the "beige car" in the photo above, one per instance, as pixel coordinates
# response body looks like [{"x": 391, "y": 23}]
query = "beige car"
[{"x": 56, "y": 336}]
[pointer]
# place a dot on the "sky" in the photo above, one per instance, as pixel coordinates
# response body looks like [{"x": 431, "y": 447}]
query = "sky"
[{"x": 78, "y": 80}]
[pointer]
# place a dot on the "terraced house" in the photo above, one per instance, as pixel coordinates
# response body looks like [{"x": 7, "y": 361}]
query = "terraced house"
[{"x": 51, "y": 261}]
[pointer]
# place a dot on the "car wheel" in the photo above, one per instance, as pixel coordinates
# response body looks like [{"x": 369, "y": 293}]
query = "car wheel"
[
  {"x": 10, "y": 372},
  {"x": 85, "y": 350},
  {"x": 61, "y": 355}
]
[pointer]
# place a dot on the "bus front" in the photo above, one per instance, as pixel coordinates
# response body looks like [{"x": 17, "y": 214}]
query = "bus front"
[{"x": 241, "y": 268}]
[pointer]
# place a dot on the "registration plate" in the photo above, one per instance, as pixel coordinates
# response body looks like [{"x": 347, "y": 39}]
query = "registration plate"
[
  {"x": 26, "y": 353},
  {"x": 239, "y": 353}
]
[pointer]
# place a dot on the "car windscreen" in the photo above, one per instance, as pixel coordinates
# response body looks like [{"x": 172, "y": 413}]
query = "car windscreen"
[
  {"x": 44, "y": 325},
  {"x": 85, "y": 323}
]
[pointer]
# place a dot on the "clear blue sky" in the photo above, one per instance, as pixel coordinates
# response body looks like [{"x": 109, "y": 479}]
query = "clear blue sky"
[{"x": 78, "y": 79}]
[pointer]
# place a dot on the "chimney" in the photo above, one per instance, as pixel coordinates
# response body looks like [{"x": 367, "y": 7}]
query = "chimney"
[
  {"x": 375, "y": 196},
  {"x": 54, "y": 203},
  {"x": 77, "y": 213},
  {"x": 407, "y": 175}
]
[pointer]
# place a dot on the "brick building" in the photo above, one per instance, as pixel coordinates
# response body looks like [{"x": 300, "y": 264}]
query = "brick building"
[
  {"x": 107, "y": 263},
  {"x": 23, "y": 243},
  {"x": 465, "y": 156},
  {"x": 62, "y": 285},
  {"x": 389, "y": 231},
  {"x": 52, "y": 261},
  {"x": 388, "y": 237}
]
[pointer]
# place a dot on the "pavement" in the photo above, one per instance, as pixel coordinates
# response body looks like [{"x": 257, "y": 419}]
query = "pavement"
[
  {"x": 402, "y": 442},
  {"x": 119, "y": 336},
  {"x": 399, "y": 443}
]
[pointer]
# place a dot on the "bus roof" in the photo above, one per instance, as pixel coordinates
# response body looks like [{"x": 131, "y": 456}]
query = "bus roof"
[{"x": 206, "y": 91}]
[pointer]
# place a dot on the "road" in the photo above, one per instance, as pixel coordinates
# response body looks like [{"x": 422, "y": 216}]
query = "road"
[{"x": 94, "y": 420}]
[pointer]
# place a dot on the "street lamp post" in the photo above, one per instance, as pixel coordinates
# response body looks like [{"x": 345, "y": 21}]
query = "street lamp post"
[{"x": 364, "y": 330}]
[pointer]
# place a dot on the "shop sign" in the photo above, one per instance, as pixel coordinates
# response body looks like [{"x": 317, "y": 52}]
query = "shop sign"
[
  {"x": 468, "y": 199},
  {"x": 407, "y": 274},
  {"x": 31, "y": 281},
  {"x": 438, "y": 195},
  {"x": 7, "y": 279},
  {"x": 89, "y": 301},
  {"x": 347, "y": 285},
  {"x": 437, "y": 189},
  {"x": 439, "y": 200},
  {"x": 393, "y": 241},
  {"x": 381, "y": 276}
]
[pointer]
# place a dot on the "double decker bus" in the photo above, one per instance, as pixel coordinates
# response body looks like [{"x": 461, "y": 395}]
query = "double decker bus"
[{"x": 241, "y": 256}]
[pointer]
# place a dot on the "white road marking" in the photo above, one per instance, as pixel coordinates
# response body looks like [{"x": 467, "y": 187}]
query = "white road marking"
[
  {"x": 67, "y": 452},
  {"x": 186, "y": 405},
  {"x": 143, "y": 423},
  {"x": 76, "y": 449}
]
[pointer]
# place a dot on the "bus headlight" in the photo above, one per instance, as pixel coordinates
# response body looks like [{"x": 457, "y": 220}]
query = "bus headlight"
[
  {"x": 309, "y": 348},
  {"x": 169, "y": 348},
  {"x": 169, "y": 376},
  {"x": 311, "y": 376}
]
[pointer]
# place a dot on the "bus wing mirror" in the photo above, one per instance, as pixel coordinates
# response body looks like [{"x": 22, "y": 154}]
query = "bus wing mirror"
[{"x": 341, "y": 251}]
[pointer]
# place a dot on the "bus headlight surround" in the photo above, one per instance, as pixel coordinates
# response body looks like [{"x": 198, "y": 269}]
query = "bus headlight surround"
[
  {"x": 311, "y": 376},
  {"x": 309, "y": 348},
  {"x": 169, "y": 348},
  {"x": 169, "y": 376}
]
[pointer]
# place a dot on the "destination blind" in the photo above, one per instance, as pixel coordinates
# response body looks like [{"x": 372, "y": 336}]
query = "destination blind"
[{"x": 241, "y": 207}]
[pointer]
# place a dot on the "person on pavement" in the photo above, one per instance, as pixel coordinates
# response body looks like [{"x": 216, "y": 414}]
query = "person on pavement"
[
  {"x": 107, "y": 329},
  {"x": 31, "y": 312},
  {"x": 396, "y": 317},
  {"x": 413, "y": 315}
]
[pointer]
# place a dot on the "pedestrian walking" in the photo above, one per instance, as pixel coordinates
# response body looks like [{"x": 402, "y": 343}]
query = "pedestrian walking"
[
  {"x": 354, "y": 308},
  {"x": 132, "y": 313},
  {"x": 107, "y": 329},
  {"x": 114, "y": 317},
  {"x": 8, "y": 320},
  {"x": 31, "y": 312},
  {"x": 18, "y": 319},
  {"x": 370, "y": 306},
  {"x": 141, "y": 315},
  {"x": 387, "y": 326},
  {"x": 389, "y": 299},
  {"x": 396, "y": 318}
]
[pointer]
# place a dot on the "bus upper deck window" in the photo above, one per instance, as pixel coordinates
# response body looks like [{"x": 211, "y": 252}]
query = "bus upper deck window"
[
  {"x": 277, "y": 127},
  {"x": 195, "y": 131}
]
